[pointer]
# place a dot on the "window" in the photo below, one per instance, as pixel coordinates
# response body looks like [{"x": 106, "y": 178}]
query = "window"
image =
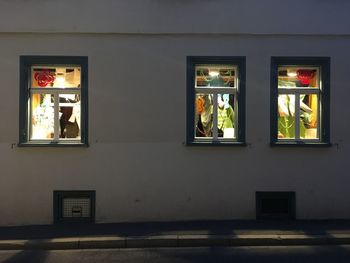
[
  {"x": 215, "y": 100},
  {"x": 300, "y": 100},
  {"x": 53, "y": 100}
]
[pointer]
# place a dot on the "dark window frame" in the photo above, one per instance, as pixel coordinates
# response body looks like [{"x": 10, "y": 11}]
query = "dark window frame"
[
  {"x": 192, "y": 61},
  {"x": 59, "y": 195},
  {"x": 324, "y": 64},
  {"x": 25, "y": 64}
]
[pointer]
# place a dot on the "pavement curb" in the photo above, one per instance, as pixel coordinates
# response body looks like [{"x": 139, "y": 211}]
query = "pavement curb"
[{"x": 174, "y": 241}]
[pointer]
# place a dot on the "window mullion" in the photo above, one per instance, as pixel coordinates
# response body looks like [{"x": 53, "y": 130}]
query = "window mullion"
[
  {"x": 236, "y": 115},
  {"x": 298, "y": 91},
  {"x": 56, "y": 116},
  {"x": 319, "y": 117},
  {"x": 30, "y": 114},
  {"x": 216, "y": 90},
  {"x": 215, "y": 116},
  {"x": 297, "y": 116},
  {"x": 52, "y": 90}
]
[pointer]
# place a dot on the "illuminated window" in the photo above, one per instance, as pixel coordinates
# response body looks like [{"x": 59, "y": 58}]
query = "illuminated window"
[
  {"x": 53, "y": 100},
  {"x": 215, "y": 100},
  {"x": 300, "y": 88}
]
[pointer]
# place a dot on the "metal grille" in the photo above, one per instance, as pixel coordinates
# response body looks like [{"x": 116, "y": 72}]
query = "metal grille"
[
  {"x": 76, "y": 207},
  {"x": 275, "y": 205}
]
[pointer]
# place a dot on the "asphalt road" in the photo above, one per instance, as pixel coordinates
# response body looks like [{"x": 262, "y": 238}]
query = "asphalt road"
[{"x": 298, "y": 254}]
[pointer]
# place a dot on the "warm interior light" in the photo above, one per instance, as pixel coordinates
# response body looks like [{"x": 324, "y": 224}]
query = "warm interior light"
[
  {"x": 60, "y": 81},
  {"x": 291, "y": 73},
  {"x": 60, "y": 78},
  {"x": 214, "y": 73}
]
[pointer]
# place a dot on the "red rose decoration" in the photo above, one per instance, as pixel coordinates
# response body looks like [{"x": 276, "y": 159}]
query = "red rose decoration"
[
  {"x": 44, "y": 78},
  {"x": 304, "y": 76}
]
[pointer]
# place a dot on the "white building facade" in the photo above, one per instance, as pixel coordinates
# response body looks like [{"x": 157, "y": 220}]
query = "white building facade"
[{"x": 135, "y": 71}]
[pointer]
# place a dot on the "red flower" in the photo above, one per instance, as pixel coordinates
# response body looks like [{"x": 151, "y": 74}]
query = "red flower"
[
  {"x": 305, "y": 76},
  {"x": 44, "y": 78}
]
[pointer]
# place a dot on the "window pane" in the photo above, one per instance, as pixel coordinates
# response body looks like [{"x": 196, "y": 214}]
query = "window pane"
[
  {"x": 55, "y": 77},
  {"x": 298, "y": 77},
  {"x": 69, "y": 105},
  {"x": 226, "y": 116},
  {"x": 42, "y": 115},
  {"x": 204, "y": 115},
  {"x": 302, "y": 94},
  {"x": 215, "y": 76},
  {"x": 309, "y": 116},
  {"x": 286, "y": 112}
]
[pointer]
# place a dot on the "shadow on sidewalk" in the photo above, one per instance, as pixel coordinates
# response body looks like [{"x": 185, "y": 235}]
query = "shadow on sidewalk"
[
  {"x": 28, "y": 256},
  {"x": 235, "y": 227}
]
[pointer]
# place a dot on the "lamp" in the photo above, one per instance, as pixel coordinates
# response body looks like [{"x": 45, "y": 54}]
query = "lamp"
[
  {"x": 214, "y": 73},
  {"x": 291, "y": 73}
]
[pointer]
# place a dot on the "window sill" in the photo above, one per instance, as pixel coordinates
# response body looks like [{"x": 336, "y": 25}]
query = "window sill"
[
  {"x": 218, "y": 143},
  {"x": 301, "y": 144},
  {"x": 53, "y": 144}
]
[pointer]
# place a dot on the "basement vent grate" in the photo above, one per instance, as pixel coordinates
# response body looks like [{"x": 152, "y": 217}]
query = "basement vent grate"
[
  {"x": 74, "y": 206},
  {"x": 275, "y": 205}
]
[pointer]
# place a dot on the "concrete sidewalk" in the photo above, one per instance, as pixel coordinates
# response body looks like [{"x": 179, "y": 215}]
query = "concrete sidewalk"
[{"x": 176, "y": 234}]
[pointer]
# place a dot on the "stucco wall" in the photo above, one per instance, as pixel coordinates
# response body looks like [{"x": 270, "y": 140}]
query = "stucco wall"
[
  {"x": 176, "y": 16},
  {"x": 137, "y": 162}
]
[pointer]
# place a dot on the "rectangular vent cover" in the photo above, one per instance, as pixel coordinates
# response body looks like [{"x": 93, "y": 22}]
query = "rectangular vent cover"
[
  {"x": 275, "y": 205},
  {"x": 74, "y": 206}
]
